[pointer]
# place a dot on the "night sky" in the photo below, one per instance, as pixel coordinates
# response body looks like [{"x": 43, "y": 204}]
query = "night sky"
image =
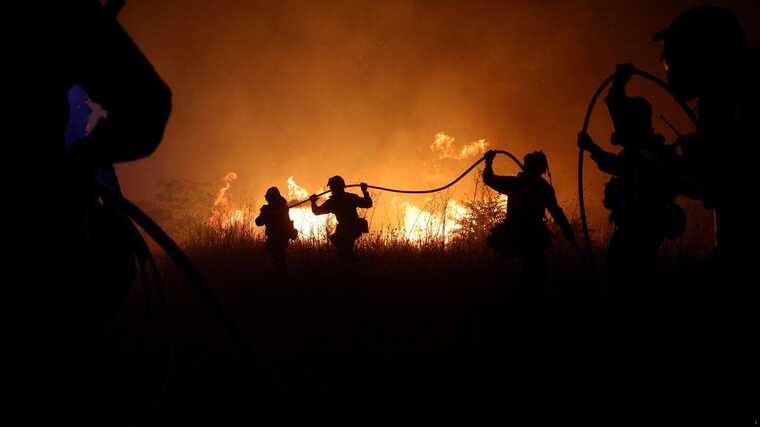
[{"x": 272, "y": 89}]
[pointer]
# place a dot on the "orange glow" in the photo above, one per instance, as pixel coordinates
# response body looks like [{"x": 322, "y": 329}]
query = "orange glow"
[
  {"x": 324, "y": 95},
  {"x": 225, "y": 216},
  {"x": 309, "y": 226},
  {"x": 420, "y": 225},
  {"x": 435, "y": 222}
]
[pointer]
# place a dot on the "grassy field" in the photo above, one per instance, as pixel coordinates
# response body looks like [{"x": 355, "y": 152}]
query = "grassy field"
[{"x": 429, "y": 317}]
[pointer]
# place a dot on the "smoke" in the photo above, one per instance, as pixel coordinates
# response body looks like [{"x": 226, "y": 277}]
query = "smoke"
[
  {"x": 359, "y": 89},
  {"x": 445, "y": 147}
]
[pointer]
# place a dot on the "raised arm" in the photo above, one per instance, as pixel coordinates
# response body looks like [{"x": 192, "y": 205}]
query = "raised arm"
[
  {"x": 617, "y": 97},
  {"x": 366, "y": 201},
  {"x": 502, "y": 184}
]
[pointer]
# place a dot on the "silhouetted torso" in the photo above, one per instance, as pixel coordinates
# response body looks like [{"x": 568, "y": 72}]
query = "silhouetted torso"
[
  {"x": 350, "y": 226},
  {"x": 709, "y": 58},
  {"x": 639, "y": 195},
  {"x": 344, "y": 206},
  {"x": 723, "y": 156},
  {"x": 274, "y": 216},
  {"x": 528, "y": 197}
]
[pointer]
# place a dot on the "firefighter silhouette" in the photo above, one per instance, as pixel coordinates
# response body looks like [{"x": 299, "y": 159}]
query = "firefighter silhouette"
[
  {"x": 98, "y": 255},
  {"x": 279, "y": 227},
  {"x": 524, "y": 233},
  {"x": 709, "y": 59},
  {"x": 641, "y": 195},
  {"x": 343, "y": 205},
  {"x": 121, "y": 80}
]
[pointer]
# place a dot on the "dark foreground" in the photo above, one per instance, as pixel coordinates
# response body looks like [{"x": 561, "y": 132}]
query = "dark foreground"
[{"x": 423, "y": 330}]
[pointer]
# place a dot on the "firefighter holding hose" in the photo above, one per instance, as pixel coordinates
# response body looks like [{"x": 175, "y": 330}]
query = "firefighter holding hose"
[
  {"x": 641, "y": 194},
  {"x": 524, "y": 233}
]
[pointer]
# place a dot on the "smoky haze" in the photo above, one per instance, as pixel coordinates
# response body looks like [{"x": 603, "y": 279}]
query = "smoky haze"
[{"x": 361, "y": 88}]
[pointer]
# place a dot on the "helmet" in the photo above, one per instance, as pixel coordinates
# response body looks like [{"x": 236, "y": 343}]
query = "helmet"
[
  {"x": 536, "y": 163},
  {"x": 336, "y": 182},
  {"x": 705, "y": 27},
  {"x": 701, "y": 47},
  {"x": 272, "y": 194},
  {"x": 633, "y": 120}
]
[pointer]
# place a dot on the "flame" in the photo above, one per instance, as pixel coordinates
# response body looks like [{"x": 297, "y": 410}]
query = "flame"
[
  {"x": 223, "y": 216},
  {"x": 420, "y": 225},
  {"x": 308, "y": 225},
  {"x": 296, "y": 192},
  {"x": 444, "y": 145},
  {"x": 221, "y": 197}
]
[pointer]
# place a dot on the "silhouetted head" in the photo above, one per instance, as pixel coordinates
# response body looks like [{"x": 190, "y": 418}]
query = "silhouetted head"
[
  {"x": 337, "y": 184},
  {"x": 273, "y": 195},
  {"x": 536, "y": 163},
  {"x": 702, "y": 49},
  {"x": 633, "y": 122}
]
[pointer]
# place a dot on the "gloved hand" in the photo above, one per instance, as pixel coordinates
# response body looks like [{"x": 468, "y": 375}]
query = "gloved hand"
[
  {"x": 585, "y": 142},
  {"x": 489, "y": 156},
  {"x": 623, "y": 74}
]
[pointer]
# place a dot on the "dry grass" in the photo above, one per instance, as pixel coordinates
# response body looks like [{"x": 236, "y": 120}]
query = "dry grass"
[{"x": 425, "y": 317}]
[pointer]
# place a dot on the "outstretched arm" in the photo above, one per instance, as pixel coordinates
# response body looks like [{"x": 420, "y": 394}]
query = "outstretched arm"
[
  {"x": 366, "y": 201},
  {"x": 559, "y": 217},
  {"x": 319, "y": 210},
  {"x": 606, "y": 162}
]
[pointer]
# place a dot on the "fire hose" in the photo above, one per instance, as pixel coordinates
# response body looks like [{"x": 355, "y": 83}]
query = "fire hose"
[
  {"x": 426, "y": 191},
  {"x": 178, "y": 256},
  {"x": 587, "y": 120},
  {"x": 173, "y": 250}
]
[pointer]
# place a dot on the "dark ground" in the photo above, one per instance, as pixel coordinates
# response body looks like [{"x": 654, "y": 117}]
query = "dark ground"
[{"x": 424, "y": 328}]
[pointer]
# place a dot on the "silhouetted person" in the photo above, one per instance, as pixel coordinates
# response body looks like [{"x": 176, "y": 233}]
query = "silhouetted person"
[
  {"x": 105, "y": 62},
  {"x": 641, "y": 195},
  {"x": 279, "y": 228},
  {"x": 343, "y": 205},
  {"x": 524, "y": 233},
  {"x": 93, "y": 51},
  {"x": 708, "y": 58}
]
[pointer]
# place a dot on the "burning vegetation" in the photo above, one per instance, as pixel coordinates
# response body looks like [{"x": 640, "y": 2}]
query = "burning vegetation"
[{"x": 440, "y": 218}]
